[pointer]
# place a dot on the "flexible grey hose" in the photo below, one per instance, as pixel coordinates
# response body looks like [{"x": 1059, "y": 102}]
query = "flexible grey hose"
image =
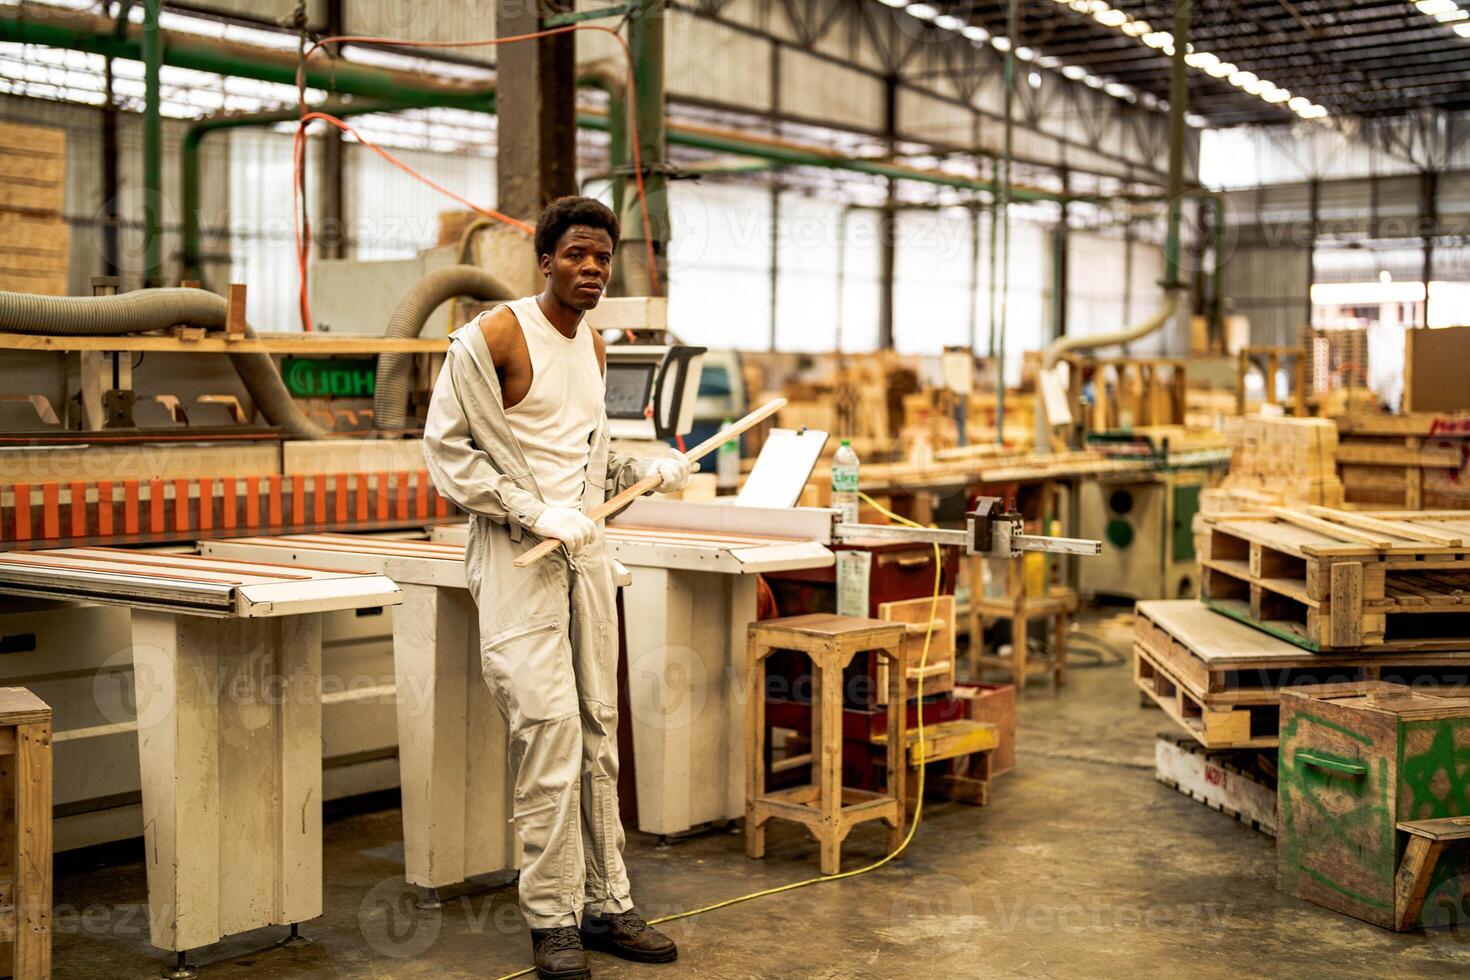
[
  {"x": 158, "y": 309},
  {"x": 390, "y": 391}
]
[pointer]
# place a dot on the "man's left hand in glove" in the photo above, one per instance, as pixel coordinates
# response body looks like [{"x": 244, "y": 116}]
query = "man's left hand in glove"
[{"x": 675, "y": 469}]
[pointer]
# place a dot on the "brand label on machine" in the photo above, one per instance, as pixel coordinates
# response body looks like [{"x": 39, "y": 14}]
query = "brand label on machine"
[{"x": 309, "y": 377}]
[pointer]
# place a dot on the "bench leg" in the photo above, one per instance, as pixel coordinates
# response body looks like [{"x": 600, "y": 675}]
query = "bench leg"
[
  {"x": 1059, "y": 650},
  {"x": 31, "y": 830},
  {"x": 1410, "y": 883},
  {"x": 755, "y": 747},
  {"x": 1019, "y": 639}
]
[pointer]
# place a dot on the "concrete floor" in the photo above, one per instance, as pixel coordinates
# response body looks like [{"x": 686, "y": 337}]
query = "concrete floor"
[{"x": 1082, "y": 866}]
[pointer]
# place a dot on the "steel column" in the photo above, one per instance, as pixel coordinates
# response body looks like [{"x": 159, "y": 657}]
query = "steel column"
[
  {"x": 646, "y": 44},
  {"x": 536, "y": 137},
  {"x": 152, "y": 145}
]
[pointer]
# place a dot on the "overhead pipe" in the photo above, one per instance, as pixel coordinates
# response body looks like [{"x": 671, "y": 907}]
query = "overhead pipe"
[
  {"x": 1012, "y": 10},
  {"x": 189, "y": 162},
  {"x": 77, "y": 30},
  {"x": 390, "y": 391},
  {"x": 41, "y": 24},
  {"x": 145, "y": 310}
]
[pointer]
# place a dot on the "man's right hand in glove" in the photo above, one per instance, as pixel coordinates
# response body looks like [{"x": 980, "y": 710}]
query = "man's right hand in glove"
[{"x": 569, "y": 526}]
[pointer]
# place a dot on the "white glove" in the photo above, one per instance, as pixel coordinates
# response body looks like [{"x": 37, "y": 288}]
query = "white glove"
[
  {"x": 674, "y": 469},
  {"x": 568, "y": 525}
]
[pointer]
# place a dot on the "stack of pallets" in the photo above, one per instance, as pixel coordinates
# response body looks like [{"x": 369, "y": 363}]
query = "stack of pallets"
[
  {"x": 35, "y": 240},
  {"x": 1293, "y": 597}
]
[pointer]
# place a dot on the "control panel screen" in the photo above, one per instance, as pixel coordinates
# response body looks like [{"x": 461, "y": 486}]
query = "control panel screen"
[{"x": 628, "y": 387}]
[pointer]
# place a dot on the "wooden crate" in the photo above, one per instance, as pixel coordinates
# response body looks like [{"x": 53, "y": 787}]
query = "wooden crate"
[
  {"x": 957, "y": 758},
  {"x": 1330, "y": 579},
  {"x": 1356, "y": 760},
  {"x": 937, "y": 675},
  {"x": 994, "y": 704},
  {"x": 25, "y": 834},
  {"x": 1220, "y": 680}
]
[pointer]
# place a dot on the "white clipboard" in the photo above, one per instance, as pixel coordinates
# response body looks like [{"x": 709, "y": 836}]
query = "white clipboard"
[{"x": 781, "y": 470}]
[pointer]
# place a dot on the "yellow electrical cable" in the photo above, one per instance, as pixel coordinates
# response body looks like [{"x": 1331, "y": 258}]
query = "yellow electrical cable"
[{"x": 918, "y": 808}]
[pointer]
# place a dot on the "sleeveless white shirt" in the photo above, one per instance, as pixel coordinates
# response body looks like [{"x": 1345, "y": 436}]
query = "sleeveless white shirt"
[{"x": 554, "y": 423}]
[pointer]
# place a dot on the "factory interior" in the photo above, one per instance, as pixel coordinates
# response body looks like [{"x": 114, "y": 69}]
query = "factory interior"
[{"x": 734, "y": 488}]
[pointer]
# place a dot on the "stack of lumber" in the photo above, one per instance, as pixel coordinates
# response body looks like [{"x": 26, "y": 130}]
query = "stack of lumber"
[
  {"x": 1411, "y": 461},
  {"x": 1337, "y": 361},
  {"x": 1328, "y": 579},
  {"x": 35, "y": 242},
  {"x": 1276, "y": 461}
]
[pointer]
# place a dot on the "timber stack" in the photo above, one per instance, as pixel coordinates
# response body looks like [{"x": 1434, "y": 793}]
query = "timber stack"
[{"x": 1414, "y": 461}]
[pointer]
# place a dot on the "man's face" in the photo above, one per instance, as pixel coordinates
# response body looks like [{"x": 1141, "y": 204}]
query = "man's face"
[{"x": 579, "y": 268}]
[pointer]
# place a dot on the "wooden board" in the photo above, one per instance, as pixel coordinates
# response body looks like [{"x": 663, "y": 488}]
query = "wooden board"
[{"x": 32, "y": 168}]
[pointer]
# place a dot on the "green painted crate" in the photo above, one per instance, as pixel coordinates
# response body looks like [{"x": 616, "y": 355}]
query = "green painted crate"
[{"x": 1356, "y": 759}]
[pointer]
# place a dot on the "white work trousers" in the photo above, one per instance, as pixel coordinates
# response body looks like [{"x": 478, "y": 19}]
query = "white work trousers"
[{"x": 549, "y": 651}]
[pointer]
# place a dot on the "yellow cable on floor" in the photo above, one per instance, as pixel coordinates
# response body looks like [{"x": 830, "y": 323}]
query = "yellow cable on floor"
[{"x": 918, "y": 808}]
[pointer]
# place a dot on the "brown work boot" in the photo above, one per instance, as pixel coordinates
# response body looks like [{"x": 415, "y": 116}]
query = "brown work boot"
[
  {"x": 559, "y": 954},
  {"x": 626, "y": 935}
]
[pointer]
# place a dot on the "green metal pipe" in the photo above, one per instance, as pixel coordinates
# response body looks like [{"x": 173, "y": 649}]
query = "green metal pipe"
[
  {"x": 30, "y": 24},
  {"x": 78, "y": 31},
  {"x": 1178, "y": 106},
  {"x": 804, "y": 157},
  {"x": 189, "y": 162},
  {"x": 152, "y": 144},
  {"x": 605, "y": 79}
]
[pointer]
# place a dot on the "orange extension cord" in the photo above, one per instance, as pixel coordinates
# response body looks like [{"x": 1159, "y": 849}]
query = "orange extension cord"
[{"x": 298, "y": 182}]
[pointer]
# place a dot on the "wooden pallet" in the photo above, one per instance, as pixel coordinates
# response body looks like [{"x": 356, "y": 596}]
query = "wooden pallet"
[
  {"x": 1331, "y": 579},
  {"x": 1220, "y": 679},
  {"x": 1229, "y": 782}
]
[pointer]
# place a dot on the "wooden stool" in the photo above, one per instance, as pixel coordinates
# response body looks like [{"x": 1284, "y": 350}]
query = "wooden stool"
[
  {"x": 827, "y": 809},
  {"x": 1058, "y": 605},
  {"x": 25, "y": 833},
  {"x": 1427, "y": 841}
]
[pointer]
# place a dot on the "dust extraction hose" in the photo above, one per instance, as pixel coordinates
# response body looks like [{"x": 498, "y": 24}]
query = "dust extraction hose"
[
  {"x": 390, "y": 392},
  {"x": 158, "y": 309}
]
